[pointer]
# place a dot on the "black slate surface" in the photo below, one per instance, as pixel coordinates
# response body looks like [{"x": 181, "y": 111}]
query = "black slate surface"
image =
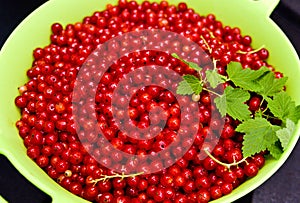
[
  {"x": 283, "y": 187},
  {"x": 293, "y": 6}
]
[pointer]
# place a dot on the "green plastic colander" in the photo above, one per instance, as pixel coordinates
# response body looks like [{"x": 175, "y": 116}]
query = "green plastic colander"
[{"x": 253, "y": 17}]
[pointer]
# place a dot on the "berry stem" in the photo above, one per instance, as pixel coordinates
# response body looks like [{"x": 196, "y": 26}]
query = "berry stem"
[
  {"x": 215, "y": 63},
  {"x": 115, "y": 175},
  {"x": 212, "y": 92},
  {"x": 251, "y": 52},
  {"x": 224, "y": 164},
  {"x": 212, "y": 35},
  {"x": 268, "y": 116},
  {"x": 206, "y": 44}
]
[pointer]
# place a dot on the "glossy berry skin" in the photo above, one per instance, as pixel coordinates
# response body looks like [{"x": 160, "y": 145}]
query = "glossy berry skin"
[
  {"x": 229, "y": 176},
  {"x": 203, "y": 196},
  {"x": 173, "y": 123},
  {"x": 76, "y": 188},
  {"x": 228, "y": 131},
  {"x": 209, "y": 164},
  {"x": 251, "y": 170},
  {"x": 233, "y": 155},
  {"x": 21, "y": 101},
  {"x": 254, "y": 103},
  {"x": 216, "y": 192},
  {"x": 226, "y": 188},
  {"x": 259, "y": 160}
]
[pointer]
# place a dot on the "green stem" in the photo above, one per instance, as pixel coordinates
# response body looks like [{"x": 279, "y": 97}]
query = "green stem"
[
  {"x": 261, "y": 103},
  {"x": 200, "y": 77},
  {"x": 268, "y": 116},
  {"x": 264, "y": 110},
  {"x": 212, "y": 92},
  {"x": 224, "y": 164}
]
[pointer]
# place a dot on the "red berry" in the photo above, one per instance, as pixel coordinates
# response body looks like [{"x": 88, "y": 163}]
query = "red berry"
[
  {"x": 203, "y": 196},
  {"x": 251, "y": 170},
  {"x": 42, "y": 161},
  {"x": 21, "y": 101},
  {"x": 209, "y": 164},
  {"x": 202, "y": 182},
  {"x": 118, "y": 183},
  {"x": 33, "y": 152},
  {"x": 233, "y": 155},
  {"x": 75, "y": 188},
  {"x": 226, "y": 188},
  {"x": 254, "y": 103},
  {"x": 259, "y": 160},
  {"x": 215, "y": 192},
  {"x": 61, "y": 166},
  {"x": 229, "y": 176},
  {"x": 159, "y": 195},
  {"x": 228, "y": 131},
  {"x": 56, "y": 28},
  {"x": 263, "y": 54},
  {"x": 179, "y": 181},
  {"x": 173, "y": 123}
]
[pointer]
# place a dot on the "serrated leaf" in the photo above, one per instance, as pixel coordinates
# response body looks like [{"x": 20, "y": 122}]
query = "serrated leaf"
[
  {"x": 270, "y": 85},
  {"x": 194, "y": 83},
  {"x": 245, "y": 78},
  {"x": 258, "y": 114},
  {"x": 275, "y": 151},
  {"x": 184, "y": 88},
  {"x": 214, "y": 78},
  {"x": 286, "y": 133},
  {"x": 260, "y": 134},
  {"x": 221, "y": 105},
  {"x": 194, "y": 66},
  {"x": 295, "y": 116},
  {"x": 190, "y": 64},
  {"x": 232, "y": 102},
  {"x": 283, "y": 107}
]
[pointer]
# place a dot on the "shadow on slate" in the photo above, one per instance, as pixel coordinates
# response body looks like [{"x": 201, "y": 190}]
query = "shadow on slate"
[
  {"x": 293, "y": 7},
  {"x": 15, "y": 188},
  {"x": 282, "y": 187}
]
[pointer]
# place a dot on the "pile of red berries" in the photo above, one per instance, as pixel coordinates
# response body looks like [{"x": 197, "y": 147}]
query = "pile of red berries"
[{"x": 47, "y": 124}]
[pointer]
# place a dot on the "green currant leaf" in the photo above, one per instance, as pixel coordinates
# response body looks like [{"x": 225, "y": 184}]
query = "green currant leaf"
[
  {"x": 275, "y": 151},
  {"x": 245, "y": 77},
  {"x": 258, "y": 114},
  {"x": 175, "y": 56},
  {"x": 295, "y": 116},
  {"x": 194, "y": 66},
  {"x": 214, "y": 78},
  {"x": 190, "y": 64},
  {"x": 184, "y": 88},
  {"x": 286, "y": 133},
  {"x": 194, "y": 83},
  {"x": 270, "y": 85},
  {"x": 260, "y": 134},
  {"x": 283, "y": 107},
  {"x": 221, "y": 104},
  {"x": 232, "y": 102}
]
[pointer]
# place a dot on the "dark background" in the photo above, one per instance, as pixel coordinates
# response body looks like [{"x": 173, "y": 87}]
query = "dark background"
[{"x": 284, "y": 186}]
